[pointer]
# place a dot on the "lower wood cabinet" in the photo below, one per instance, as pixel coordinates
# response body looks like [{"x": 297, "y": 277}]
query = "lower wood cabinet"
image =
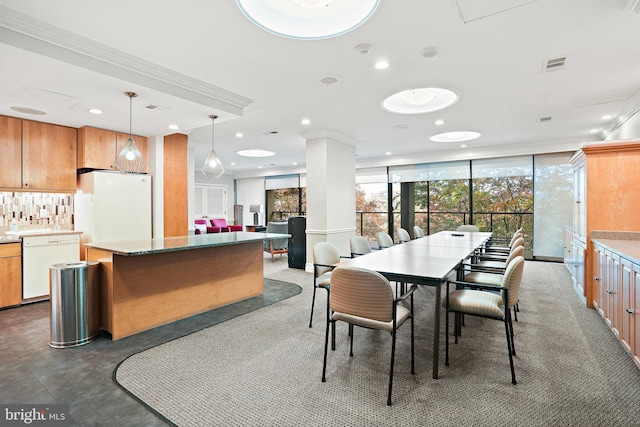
[
  {"x": 10, "y": 274},
  {"x": 616, "y": 296}
]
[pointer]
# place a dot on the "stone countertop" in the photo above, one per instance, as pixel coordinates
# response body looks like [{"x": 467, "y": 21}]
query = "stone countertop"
[
  {"x": 42, "y": 232},
  {"x": 629, "y": 249},
  {"x": 181, "y": 243},
  {"x": 9, "y": 239}
]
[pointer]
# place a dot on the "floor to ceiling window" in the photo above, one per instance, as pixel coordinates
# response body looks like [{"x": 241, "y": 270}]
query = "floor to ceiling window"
[
  {"x": 286, "y": 196},
  {"x": 503, "y": 197},
  {"x": 494, "y": 194},
  {"x": 371, "y": 202}
]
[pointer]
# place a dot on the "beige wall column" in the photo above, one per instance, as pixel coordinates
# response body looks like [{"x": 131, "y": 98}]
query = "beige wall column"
[{"x": 331, "y": 194}]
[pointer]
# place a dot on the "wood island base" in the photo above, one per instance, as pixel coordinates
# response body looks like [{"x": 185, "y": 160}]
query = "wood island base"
[{"x": 144, "y": 291}]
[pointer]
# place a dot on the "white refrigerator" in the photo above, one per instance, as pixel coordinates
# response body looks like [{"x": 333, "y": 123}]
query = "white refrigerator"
[{"x": 111, "y": 206}]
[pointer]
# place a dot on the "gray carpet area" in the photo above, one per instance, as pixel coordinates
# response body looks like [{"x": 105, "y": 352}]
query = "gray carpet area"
[{"x": 264, "y": 368}]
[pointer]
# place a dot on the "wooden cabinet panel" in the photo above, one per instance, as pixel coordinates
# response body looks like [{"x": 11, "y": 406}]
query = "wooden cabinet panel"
[
  {"x": 634, "y": 332},
  {"x": 599, "y": 279},
  {"x": 175, "y": 185},
  {"x": 141, "y": 143},
  {"x": 613, "y": 304},
  {"x": 578, "y": 253},
  {"x": 10, "y": 274},
  {"x": 11, "y": 149},
  {"x": 627, "y": 305},
  {"x": 96, "y": 148},
  {"x": 48, "y": 156}
]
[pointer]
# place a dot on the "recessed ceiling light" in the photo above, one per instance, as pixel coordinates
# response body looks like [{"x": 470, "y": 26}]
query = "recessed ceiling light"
[
  {"x": 606, "y": 117},
  {"x": 387, "y": 153},
  {"x": 294, "y": 163},
  {"x": 429, "y": 52},
  {"x": 381, "y": 65},
  {"x": 255, "y": 153},
  {"x": 27, "y": 110},
  {"x": 594, "y": 130},
  {"x": 463, "y": 145},
  {"x": 95, "y": 111},
  {"x": 308, "y": 19},
  {"x": 239, "y": 134},
  {"x": 420, "y": 100},
  {"x": 232, "y": 163},
  {"x": 439, "y": 122},
  {"x": 455, "y": 136},
  {"x": 305, "y": 121},
  {"x": 174, "y": 127}
]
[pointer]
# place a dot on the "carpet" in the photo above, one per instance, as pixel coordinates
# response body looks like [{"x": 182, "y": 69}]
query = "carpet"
[{"x": 264, "y": 369}]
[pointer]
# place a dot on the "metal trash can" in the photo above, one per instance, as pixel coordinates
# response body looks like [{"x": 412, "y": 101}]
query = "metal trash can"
[{"x": 75, "y": 303}]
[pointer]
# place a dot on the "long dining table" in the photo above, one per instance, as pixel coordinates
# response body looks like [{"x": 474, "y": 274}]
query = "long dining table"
[{"x": 429, "y": 261}]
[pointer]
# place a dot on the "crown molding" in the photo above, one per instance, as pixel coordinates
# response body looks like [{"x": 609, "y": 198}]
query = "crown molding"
[
  {"x": 330, "y": 134},
  {"x": 30, "y": 34}
]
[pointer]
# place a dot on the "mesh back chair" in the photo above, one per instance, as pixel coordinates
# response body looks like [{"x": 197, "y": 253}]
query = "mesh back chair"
[
  {"x": 476, "y": 299},
  {"x": 359, "y": 246},
  {"x": 506, "y": 249},
  {"x": 403, "y": 235},
  {"x": 417, "y": 232},
  {"x": 325, "y": 255},
  {"x": 384, "y": 240},
  {"x": 364, "y": 298},
  {"x": 467, "y": 227}
]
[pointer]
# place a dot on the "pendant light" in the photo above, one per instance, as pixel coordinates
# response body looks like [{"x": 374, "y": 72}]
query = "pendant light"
[
  {"x": 129, "y": 159},
  {"x": 212, "y": 167}
]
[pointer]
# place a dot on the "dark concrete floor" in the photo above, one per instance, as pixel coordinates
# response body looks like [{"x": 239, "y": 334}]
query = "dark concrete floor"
[{"x": 31, "y": 372}]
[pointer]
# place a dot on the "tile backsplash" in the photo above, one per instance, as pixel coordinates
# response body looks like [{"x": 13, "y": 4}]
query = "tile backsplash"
[{"x": 36, "y": 210}]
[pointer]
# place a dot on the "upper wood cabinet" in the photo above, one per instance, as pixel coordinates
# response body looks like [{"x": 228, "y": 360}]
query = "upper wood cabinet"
[
  {"x": 48, "y": 156},
  {"x": 37, "y": 156},
  {"x": 11, "y": 149},
  {"x": 98, "y": 148}
]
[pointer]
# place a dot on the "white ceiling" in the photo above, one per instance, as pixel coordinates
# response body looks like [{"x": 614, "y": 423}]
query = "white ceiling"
[{"x": 201, "y": 57}]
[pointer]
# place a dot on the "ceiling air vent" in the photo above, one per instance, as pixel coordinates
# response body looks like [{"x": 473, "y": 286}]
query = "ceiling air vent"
[
  {"x": 633, "y": 6},
  {"x": 554, "y": 64},
  {"x": 545, "y": 119},
  {"x": 156, "y": 107}
]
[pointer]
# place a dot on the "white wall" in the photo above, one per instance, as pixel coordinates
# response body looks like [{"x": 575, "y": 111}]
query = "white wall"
[{"x": 250, "y": 191}]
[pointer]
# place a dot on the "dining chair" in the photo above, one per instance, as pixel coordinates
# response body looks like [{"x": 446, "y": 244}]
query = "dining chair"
[
  {"x": 384, "y": 240},
  {"x": 505, "y": 249},
  {"x": 417, "y": 232},
  {"x": 403, "y": 235},
  {"x": 325, "y": 256},
  {"x": 481, "y": 300},
  {"x": 359, "y": 246},
  {"x": 365, "y": 298},
  {"x": 467, "y": 227}
]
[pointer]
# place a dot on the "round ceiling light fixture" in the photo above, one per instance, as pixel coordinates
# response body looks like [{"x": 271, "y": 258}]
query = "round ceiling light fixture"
[
  {"x": 308, "y": 19},
  {"x": 457, "y": 136},
  {"x": 420, "y": 100},
  {"x": 255, "y": 153}
]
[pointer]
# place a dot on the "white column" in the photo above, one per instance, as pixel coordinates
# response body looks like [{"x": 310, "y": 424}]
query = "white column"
[
  {"x": 331, "y": 191},
  {"x": 155, "y": 166}
]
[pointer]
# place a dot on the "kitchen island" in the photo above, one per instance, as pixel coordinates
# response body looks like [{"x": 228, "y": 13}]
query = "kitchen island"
[{"x": 152, "y": 282}]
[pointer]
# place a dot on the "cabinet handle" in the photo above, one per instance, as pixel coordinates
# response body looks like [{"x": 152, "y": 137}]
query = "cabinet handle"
[
  {"x": 629, "y": 310},
  {"x": 609, "y": 291},
  {"x": 596, "y": 278}
]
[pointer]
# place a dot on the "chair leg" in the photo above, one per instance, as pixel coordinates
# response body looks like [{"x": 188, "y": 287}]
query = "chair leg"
[
  {"x": 513, "y": 343},
  {"x": 351, "y": 340},
  {"x": 393, "y": 355},
  {"x": 326, "y": 344},
  {"x": 313, "y": 301},
  {"x": 515, "y": 312},
  {"x": 507, "y": 324}
]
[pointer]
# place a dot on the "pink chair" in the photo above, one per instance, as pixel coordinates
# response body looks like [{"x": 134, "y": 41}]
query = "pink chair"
[
  {"x": 202, "y": 227},
  {"x": 224, "y": 227}
]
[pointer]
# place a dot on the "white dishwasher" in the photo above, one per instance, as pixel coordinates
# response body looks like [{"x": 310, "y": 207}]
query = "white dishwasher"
[{"x": 38, "y": 254}]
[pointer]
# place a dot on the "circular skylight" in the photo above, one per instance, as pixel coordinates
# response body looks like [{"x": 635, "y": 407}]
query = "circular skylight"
[
  {"x": 255, "y": 153},
  {"x": 420, "y": 100},
  {"x": 308, "y": 19},
  {"x": 455, "y": 136}
]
